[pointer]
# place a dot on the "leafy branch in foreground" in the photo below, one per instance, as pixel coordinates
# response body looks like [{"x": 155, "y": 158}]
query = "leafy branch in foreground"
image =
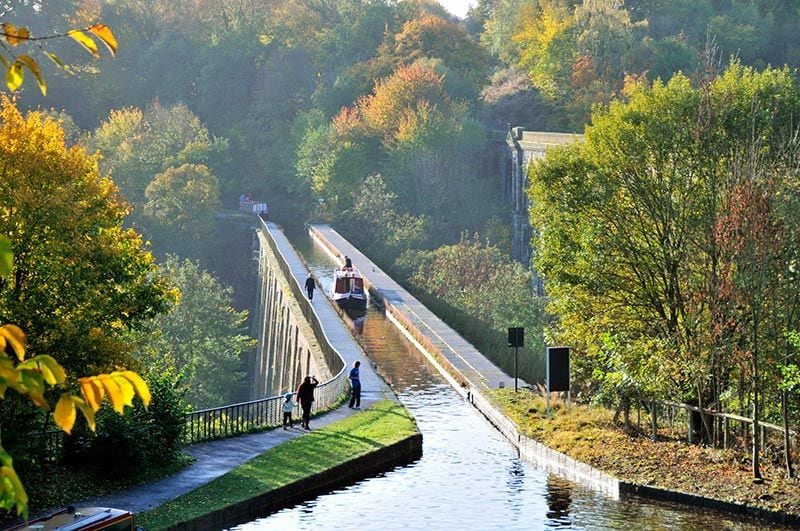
[
  {"x": 30, "y": 377},
  {"x": 12, "y": 36}
]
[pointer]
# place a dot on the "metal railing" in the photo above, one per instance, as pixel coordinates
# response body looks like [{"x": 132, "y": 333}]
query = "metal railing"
[
  {"x": 244, "y": 417},
  {"x": 234, "y": 419}
]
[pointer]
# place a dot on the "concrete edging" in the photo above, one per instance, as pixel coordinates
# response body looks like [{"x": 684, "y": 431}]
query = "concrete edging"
[{"x": 400, "y": 453}]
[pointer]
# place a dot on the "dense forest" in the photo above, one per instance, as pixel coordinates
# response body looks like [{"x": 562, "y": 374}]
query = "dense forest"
[{"x": 671, "y": 270}]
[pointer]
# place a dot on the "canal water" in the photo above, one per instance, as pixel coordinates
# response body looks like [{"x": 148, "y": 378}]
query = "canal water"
[{"x": 469, "y": 477}]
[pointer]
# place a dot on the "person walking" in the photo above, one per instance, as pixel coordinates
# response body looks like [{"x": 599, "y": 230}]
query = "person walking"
[
  {"x": 288, "y": 407},
  {"x": 355, "y": 386},
  {"x": 305, "y": 395},
  {"x": 310, "y": 287}
]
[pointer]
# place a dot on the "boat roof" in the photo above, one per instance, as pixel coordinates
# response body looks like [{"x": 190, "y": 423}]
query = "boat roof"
[{"x": 347, "y": 272}]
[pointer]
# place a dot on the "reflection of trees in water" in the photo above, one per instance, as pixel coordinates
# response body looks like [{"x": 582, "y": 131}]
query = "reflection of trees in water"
[{"x": 559, "y": 499}]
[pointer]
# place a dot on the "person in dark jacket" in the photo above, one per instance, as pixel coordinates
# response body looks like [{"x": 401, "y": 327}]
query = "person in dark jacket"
[
  {"x": 310, "y": 287},
  {"x": 355, "y": 386},
  {"x": 305, "y": 395}
]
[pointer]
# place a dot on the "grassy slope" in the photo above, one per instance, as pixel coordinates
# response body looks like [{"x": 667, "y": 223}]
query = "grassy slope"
[
  {"x": 381, "y": 425},
  {"x": 588, "y": 435}
]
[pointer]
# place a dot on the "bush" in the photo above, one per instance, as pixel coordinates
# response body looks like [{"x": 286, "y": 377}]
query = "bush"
[{"x": 142, "y": 438}]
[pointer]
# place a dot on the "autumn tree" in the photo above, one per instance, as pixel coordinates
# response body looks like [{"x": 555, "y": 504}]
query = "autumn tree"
[
  {"x": 78, "y": 281},
  {"x": 136, "y": 145},
  {"x": 626, "y": 237},
  {"x": 80, "y": 277}
]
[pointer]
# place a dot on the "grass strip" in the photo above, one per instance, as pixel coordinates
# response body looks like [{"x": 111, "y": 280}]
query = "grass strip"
[{"x": 383, "y": 424}]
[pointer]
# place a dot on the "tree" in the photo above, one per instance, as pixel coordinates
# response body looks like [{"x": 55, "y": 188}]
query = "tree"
[
  {"x": 626, "y": 238},
  {"x": 436, "y": 38},
  {"x": 80, "y": 278},
  {"x": 136, "y": 145},
  {"x": 548, "y": 50},
  {"x": 202, "y": 337},
  {"x": 180, "y": 208},
  {"x": 30, "y": 378}
]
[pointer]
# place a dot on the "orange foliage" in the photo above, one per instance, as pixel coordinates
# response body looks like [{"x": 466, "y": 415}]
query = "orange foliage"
[{"x": 409, "y": 87}]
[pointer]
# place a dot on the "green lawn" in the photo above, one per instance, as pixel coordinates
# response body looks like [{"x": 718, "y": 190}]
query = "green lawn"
[{"x": 381, "y": 425}]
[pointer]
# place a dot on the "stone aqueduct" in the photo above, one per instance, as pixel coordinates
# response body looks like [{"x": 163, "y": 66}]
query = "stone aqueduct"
[
  {"x": 289, "y": 345},
  {"x": 511, "y": 154}
]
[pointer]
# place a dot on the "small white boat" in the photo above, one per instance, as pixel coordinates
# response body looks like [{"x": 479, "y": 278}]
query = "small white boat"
[{"x": 347, "y": 289}]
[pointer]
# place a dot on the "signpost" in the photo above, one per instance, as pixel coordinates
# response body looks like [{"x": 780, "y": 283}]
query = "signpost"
[
  {"x": 557, "y": 372},
  {"x": 516, "y": 339}
]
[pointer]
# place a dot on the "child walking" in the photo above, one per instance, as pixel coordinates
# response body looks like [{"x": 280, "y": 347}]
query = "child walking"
[{"x": 288, "y": 406}]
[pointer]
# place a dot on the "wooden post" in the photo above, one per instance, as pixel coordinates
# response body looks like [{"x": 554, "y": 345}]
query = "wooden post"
[
  {"x": 725, "y": 432},
  {"x": 689, "y": 426},
  {"x": 671, "y": 415},
  {"x": 654, "y": 420}
]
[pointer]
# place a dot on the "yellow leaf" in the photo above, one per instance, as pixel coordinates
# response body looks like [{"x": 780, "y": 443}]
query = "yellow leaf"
[
  {"x": 15, "y": 35},
  {"x": 16, "y": 337},
  {"x": 33, "y": 66},
  {"x": 125, "y": 386},
  {"x": 140, "y": 385},
  {"x": 114, "y": 392},
  {"x": 85, "y": 41},
  {"x": 92, "y": 393},
  {"x": 52, "y": 366},
  {"x": 87, "y": 411},
  {"x": 103, "y": 32},
  {"x": 14, "y": 76},
  {"x": 64, "y": 415},
  {"x": 37, "y": 397},
  {"x": 53, "y": 57}
]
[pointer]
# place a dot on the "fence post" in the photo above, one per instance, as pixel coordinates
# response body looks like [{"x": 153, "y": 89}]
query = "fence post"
[
  {"x": 671, "y": 416},
  {"x": 689, "y": 436},
  {"x": 725, "y": 432},
  {"x": 654, "y": 420}
]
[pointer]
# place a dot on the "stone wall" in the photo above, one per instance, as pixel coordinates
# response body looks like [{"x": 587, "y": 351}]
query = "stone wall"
[
  {"x": 513, "y": 153},
  {"x": 287, "y": 345}
]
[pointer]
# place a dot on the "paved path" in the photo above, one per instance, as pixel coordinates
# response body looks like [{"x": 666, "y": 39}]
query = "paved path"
[
  {"x": 213, "y": 459},
  {"x": 473, "y": 365}
]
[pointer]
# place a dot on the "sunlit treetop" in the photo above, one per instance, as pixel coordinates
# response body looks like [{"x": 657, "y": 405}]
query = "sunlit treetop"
[{"x": 18, "y": 48}]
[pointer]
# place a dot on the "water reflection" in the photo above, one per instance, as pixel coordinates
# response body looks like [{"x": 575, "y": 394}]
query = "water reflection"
[
  {"x": 559, "y": 498},
  {"x": 469, "y": 477}
]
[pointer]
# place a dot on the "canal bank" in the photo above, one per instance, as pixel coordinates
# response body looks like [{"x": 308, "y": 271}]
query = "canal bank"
[
  {"x": 435, "y": 340},
  {"x": 359, "y": 446}
]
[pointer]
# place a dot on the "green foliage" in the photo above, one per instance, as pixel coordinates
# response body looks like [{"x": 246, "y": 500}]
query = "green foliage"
[
  {"x": 180, "y": 207},
  {"x": 141, "y": 439},
  {"x": 138, "y": 145},
  {"x": 202, "y": 337}
]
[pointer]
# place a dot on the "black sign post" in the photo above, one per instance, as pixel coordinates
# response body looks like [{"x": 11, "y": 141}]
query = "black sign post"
[
  {"x": 557, "y": 371},
  {"x": 516, "y": 339}
]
